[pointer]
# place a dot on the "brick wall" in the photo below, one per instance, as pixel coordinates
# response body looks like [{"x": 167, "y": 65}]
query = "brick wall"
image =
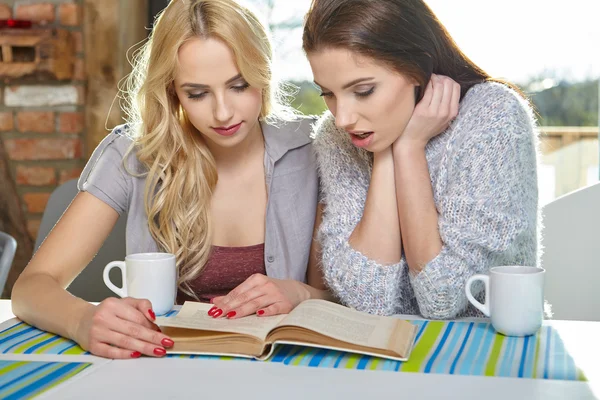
[{"x": 42, "y": 123}]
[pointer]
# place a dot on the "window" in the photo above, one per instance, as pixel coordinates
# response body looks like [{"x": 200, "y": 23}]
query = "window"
[{"x": 549, "y": 49}]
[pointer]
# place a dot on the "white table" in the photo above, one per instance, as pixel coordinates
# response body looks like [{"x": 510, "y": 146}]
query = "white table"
[{"x": 187, "y": 378}]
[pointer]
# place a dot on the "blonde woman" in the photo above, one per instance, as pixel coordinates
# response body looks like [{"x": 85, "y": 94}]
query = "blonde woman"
[{"x": 202, "y": 172}]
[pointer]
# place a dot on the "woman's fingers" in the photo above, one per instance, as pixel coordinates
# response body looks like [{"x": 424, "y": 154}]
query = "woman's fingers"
[
  {"x": 239, "y": 294},
  {"x": 242, "y": 302},
  {"x": 426, "y": 99},
  {"x": 123, "y": 328},
  {"x": 261, "y": 295},
  {"x": 445, "y": 109},
  {"x": 251, "y": 301},
  {"x": 265, "y": 302},
  {"x": 130, "y": 344},
  {"x": 144, "y": 306},
  {"x": 253, "y": 306},
  {"x": 140, "y": 332},
  {"x": 437, "y": 95},
  {"x": 455, "y": 100},
  {"x": 107, "y": 351},
  {"x": 128, "y": 311},
  {"x": 280, "y": 307},
  {"x": 120, "y": 316}
]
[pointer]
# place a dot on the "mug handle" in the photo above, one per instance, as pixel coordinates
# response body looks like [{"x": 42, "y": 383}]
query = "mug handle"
[
  {"x": 122, "y": 292},
  {"x": 484, "y": 308}
]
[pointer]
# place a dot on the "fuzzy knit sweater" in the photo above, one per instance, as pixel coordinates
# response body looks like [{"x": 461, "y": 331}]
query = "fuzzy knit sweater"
[{"x": 483, "y": 172}]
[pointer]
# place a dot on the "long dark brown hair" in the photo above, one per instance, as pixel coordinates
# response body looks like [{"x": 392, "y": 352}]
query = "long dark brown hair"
[{"x": 404, "y": 34}]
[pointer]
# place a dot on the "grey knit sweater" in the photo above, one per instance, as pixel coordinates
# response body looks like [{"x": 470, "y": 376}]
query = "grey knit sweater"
[{"x": 484, "y": 177}]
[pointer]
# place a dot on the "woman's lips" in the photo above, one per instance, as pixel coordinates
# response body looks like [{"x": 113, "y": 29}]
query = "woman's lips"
[
  {"x": 361, "y": 139},
  {"x": 228, "y": 130}
]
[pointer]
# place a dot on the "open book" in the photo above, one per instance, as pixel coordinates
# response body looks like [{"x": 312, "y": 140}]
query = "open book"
[{"x": 314, "y": 323}]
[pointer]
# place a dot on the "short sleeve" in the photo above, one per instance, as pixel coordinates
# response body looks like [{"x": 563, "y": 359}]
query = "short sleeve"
[{"x": 105, "y": 176}]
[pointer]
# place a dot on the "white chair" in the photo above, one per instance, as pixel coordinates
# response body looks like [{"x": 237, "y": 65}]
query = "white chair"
[
  {"x": 571, "y": 254},
  {"x": 8, "y": 247}
]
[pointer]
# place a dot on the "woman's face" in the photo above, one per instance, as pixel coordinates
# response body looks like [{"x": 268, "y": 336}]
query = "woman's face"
[
  {"x": 372, "y": 103},
  {"x": 220, "y": 104}
]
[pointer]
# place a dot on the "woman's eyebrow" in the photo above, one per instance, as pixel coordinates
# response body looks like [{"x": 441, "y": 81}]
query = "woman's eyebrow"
[{"x": 203, "y": 86}]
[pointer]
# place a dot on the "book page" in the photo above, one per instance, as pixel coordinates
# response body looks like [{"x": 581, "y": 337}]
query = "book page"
[
  {"x": 342, "y": 323},
  {"x": 194, "y": 315}
]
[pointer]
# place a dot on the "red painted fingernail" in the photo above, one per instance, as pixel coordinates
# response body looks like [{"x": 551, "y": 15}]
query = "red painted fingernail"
[
  {"x": 152, "y": 315},
  {"x": 167, "y": 342},
  {"x": 231, "y": 314},
  {"x": 260, "y": 312},
  {"x": 212, "y": 311},
  {"x": 217, "y": 313},
  {"x": 135, "y": 354},
  {"x": 159, "y": 352}
]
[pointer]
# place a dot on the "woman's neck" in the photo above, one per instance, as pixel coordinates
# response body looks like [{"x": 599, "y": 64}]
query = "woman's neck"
[{"x": 232, "y": 158}]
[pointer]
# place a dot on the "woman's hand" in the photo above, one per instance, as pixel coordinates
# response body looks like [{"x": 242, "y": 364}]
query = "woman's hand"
[
  {"x": 433, "y": 114},
  {"x": 121, "y": 328},
  {"x": 261, "y": 295}
]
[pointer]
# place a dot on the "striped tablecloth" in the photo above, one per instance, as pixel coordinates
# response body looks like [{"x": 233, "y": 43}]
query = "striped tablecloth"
[
  {"x": 25, "y": 379},
  {"x": 457, "y": 348}
]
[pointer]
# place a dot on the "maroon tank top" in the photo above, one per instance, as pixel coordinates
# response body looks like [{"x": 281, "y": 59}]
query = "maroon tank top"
[{"x": 225, "y": 269}]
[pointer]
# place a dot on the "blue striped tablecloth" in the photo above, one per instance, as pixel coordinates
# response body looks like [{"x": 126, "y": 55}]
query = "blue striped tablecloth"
[
  {"x": 456, "y": 348},
  {"x": 25, "y": 379}
]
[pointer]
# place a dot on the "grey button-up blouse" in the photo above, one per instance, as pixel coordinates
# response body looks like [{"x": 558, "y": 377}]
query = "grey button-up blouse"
[{"x": 290, "y": 176}]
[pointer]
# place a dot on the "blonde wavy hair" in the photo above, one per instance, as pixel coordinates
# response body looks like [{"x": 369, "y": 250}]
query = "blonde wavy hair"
[{"x": 182, "y": 173}]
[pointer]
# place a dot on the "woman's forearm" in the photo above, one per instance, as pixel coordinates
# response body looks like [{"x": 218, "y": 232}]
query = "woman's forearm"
[
  {"x": 39, "y": 296},
  {"x": 377, "y": 235},
  {"x": 40, "y": 301},
  {"x": 416, "y": 207}
]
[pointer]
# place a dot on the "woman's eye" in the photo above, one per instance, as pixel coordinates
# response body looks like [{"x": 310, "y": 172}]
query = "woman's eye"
[
  {"x": 365, "y": 93},
  {"x": 326, "y": 94},
  {"x": 241, "y": 88},
  {"x": 196, "y": 96}
]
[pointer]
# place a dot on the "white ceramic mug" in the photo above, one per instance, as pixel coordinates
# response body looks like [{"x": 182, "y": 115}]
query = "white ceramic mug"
[
  {"x": 514, "y": 298},
  {"x": 151, "y": 276}
]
